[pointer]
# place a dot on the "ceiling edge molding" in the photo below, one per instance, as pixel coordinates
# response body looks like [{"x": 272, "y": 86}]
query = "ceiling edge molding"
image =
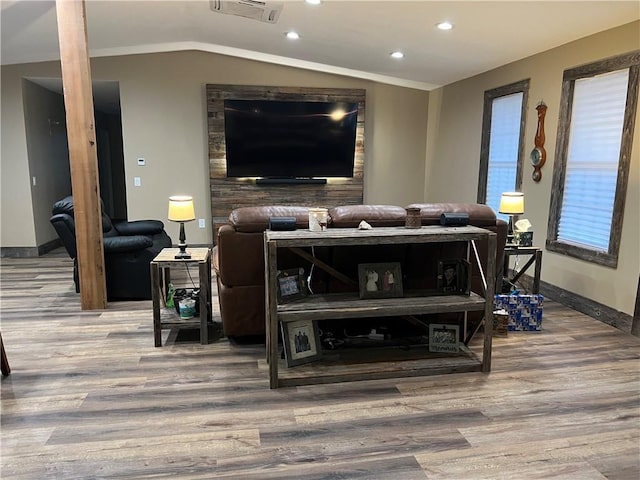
[{"x": 249, "y": 55}]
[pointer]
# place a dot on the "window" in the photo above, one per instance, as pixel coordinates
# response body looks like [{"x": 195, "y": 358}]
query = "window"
[
  {"x": 502, "y": 143},
  {"x": 591, "y": 170}
]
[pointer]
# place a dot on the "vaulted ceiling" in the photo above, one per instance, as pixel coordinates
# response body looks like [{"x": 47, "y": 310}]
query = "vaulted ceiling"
[{"x": 348, "y": 37}]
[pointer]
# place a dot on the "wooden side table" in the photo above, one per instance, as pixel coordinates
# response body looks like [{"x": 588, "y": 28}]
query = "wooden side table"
[
  {"x": 160, "y": 277},
  {"x": 535, "y": 256}
]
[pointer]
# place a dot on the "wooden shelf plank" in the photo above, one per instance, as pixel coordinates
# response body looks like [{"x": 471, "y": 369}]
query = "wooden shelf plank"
[
  {"x": 348, "y": 305},
  {"x": 355, "y": 364},
  {"x": 387, "y": 235}
]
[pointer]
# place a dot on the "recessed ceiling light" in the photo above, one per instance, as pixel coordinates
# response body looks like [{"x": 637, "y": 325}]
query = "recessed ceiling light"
[
  {"x": 313, "y": 2},
  {"x": 444, "y": 25},
  {"x": 292, "y": 35},
  {"x": 397, "y": 55}
]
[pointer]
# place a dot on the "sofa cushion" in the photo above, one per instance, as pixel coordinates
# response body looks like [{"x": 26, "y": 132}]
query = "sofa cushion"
[
  {"x": 138, "y": 227},
  {"x": 129, "y": 243},
  {"x": 350, "y": 216},
  {"x": 66, "y": 206},
  {"x": 256, "y": 219},
  {"x": 479, "y": 215}
]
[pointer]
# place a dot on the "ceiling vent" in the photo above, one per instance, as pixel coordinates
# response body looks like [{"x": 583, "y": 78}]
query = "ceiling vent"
[{"x": 261, "y": 11}]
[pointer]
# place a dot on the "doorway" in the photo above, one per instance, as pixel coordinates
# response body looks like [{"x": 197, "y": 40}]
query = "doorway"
[{"x": 49, "y": 167}]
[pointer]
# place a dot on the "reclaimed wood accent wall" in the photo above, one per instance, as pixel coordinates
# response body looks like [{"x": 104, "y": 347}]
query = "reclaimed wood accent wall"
[{"x": 229, "y": 193}]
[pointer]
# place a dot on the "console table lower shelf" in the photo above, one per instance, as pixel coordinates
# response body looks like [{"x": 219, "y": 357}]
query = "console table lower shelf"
[
  {"x": 356, "y": 364},
  {"x": 352, "y": 364}
]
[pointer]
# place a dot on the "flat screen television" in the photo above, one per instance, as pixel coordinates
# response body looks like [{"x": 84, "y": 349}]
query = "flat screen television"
[{"x": 290, "y": 139}]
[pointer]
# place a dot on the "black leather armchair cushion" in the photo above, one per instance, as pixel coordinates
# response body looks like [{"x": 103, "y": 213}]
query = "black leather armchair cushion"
[
  {"x": 138, "y": 227},
  {"x": 129, "y": 247},
  {"x": 126, "y": 244}
]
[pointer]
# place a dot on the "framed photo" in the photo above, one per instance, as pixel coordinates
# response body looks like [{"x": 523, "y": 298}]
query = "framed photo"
[
  {"x": 443, "y": 338},
  {"x": 291, "y": 284},
  {"x": 380, "y": 280},
  {"x": 523, "y": 239},
  {"x": 454, "y": 277},
  {"x": 301, "y": 342}
]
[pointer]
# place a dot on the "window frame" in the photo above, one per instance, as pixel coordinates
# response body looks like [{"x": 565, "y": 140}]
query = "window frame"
[
  {"x": 521, "y": 86},
  {"x": 610, "y": 258}
]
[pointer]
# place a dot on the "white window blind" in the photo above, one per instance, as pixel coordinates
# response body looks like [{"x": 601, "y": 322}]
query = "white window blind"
[
  {"x": 592, "y": 159},
  {"x": 506, "y": 115}
]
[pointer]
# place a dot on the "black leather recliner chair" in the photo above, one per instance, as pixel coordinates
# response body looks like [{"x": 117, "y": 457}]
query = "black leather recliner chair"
[{"x": 129, "y": 247}]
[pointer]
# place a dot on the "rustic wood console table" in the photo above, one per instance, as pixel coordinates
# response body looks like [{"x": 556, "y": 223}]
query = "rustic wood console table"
[{"x": 349, "y": 306}]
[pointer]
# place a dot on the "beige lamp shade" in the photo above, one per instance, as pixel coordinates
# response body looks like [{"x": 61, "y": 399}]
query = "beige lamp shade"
[
  {"x": 512, "y": 203},
  {"x": 181, "y": 208}
]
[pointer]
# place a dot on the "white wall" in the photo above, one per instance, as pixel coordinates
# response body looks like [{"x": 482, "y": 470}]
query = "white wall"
[{"x": 456, "y": 153}]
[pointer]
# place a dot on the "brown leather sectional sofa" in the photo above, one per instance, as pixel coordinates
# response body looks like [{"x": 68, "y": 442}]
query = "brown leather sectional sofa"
[{"x": 239, "y": 260}]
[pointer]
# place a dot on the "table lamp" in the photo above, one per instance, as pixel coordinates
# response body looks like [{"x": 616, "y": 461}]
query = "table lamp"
[
  {"x": 181, "y": 210},
  {"x": 511, "y": 203}
]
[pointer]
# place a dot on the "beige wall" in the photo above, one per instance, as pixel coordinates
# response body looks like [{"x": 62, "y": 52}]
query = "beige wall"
[
  {"x": 164, "y": 120},
  {"x": 17, "y": 228},
  {"x": 394, "y": 154},
  {"x": 456, "y": 151},
  {"x": 418, "y": 145}
]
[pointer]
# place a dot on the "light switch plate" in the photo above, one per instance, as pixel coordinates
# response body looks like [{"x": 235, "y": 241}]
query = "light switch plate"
[
  {"x": 136, "y": 181},
  {"x": 201, "y": 223}
]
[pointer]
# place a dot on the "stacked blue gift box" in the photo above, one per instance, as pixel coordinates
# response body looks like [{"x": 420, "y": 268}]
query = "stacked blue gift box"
[{"x": 525, "y": 311}]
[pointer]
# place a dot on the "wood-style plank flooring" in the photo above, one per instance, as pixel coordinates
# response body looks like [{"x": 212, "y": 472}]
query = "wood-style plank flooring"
[{"x": 89, "y": 396}]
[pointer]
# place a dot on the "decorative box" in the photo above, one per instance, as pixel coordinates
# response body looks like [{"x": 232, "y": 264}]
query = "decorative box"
[
  {"x": 500, "y": 323},
  {"x": 525, "y": 311},
  {"x": 523, "y": 239}
]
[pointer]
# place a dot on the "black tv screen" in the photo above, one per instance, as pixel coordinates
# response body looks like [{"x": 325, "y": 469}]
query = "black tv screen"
[{"x": 283, "y": 139}]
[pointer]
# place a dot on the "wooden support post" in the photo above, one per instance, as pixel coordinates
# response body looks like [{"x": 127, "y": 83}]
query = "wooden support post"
[{"x": 78, "y": 101}]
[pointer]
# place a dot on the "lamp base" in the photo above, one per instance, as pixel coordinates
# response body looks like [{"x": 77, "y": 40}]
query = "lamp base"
[{"x": 182, "y": 254}]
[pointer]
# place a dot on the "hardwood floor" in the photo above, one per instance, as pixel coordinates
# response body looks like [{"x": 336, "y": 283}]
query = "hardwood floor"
[{"x": 89, "y": 396}]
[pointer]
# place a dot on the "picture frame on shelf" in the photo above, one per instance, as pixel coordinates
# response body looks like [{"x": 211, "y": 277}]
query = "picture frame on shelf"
[
  {"x": 454, "y": 277},
  {"x": 380, "y": 280},
  {"x": 444, "y": 338},
  {"x": 301, "y": 341},
  {"x": 291, "y": 284}
]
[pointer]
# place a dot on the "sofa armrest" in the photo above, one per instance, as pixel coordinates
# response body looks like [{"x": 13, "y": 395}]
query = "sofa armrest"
[
  {"x": 138, "y": 227},
  {"x": 239, "y": 258},
  {"x": 131, "y": 243},
  {"x": 64, "y": 225}
]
